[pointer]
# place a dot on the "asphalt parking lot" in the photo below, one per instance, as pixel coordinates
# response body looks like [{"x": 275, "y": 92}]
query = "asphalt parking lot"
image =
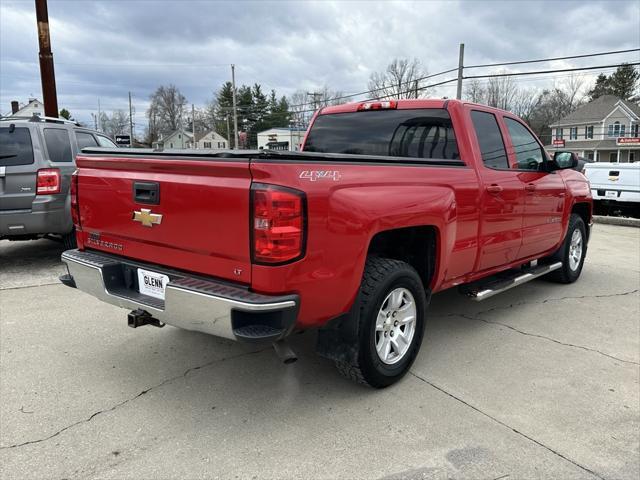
[{"x": 539, "y": 382}]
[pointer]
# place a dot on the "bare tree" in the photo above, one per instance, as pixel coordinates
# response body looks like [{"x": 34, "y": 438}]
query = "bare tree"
[
  {"x": 116, "y": 124},
  {"x": 303, "y": 103},
  {"x": 401, "y": 79},
  {"x": 166, "y": 112},
  {"x": 475, "y": 92},
  {"x": 501, "y": 92}
]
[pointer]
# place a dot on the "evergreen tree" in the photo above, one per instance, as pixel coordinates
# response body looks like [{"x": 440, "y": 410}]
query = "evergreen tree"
[
  {"x": 624, "y": 81},
  {"x": 602, "y": 87}
]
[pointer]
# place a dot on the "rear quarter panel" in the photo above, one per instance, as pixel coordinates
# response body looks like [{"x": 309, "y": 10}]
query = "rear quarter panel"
[{"x": 347, "y": 209}]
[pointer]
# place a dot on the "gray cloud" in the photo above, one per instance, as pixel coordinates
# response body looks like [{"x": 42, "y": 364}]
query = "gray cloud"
[{"x": 105, "y": 49}]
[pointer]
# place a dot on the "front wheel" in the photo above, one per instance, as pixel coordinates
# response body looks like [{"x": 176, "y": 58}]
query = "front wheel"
[
  {"x": 572, "y": 252},
  {"x": 392, "y": 319}
]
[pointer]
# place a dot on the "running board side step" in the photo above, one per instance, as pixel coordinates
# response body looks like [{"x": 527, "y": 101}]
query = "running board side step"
[{"x": 488, "y": 288}]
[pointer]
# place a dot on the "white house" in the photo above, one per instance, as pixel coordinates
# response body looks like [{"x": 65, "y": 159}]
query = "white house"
[
  {"x": 182, "y": 139},
  {"x": 606, "y": 130},
  {"x": 281, "y": 139},
  {"x": 33, "y": 107},
  {"x": 210, "y": 139}
]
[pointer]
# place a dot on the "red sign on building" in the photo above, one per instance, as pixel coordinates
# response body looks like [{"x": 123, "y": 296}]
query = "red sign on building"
[
  {"x": 559, "y": 142},
  {"x": 628, "y": 140}
]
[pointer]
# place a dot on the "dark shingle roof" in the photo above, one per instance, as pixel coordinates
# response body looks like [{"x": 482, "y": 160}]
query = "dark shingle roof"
[{"x": 596, "y": 110}]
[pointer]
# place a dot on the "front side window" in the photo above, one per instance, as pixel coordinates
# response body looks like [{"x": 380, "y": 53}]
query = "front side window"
[
  {"x": 614, "y": 129},
  {"x": 15, "y": 146},
  {"x": 106, "y": 142},
  {"x": 526, "y": 148},
  {"x": 494, "y": 155},
  {"x": 58, "y": 144},
  {"x": 85, "y": 140},
  {"x": 419, "y": 133}
]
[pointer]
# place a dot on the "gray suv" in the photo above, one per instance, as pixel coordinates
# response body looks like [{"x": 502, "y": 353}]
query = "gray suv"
[{"x": 37, "y": 158}]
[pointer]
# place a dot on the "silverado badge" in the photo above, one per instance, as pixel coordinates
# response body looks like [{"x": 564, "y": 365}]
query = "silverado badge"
[{"x": 147, "y": 218}]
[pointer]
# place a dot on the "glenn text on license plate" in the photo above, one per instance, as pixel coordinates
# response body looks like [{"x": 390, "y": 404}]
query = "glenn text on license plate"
[
  {"x": 611, "y": 194},
  {"x": 152, "y": 283}
]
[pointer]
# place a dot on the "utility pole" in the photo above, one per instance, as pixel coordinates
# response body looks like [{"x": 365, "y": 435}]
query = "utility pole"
[
  {"x": 235, "y": 110},
  {"x": 228, "y": 133},
  {"x": 460, "y": 69},
  {"x": 47, "y": 74},
  {"x": 99, "y": 117},
  {"x": 95, "y": 121},
  {"x": 315, "y": 95},
  {"x": 130, "y": 122},
  {"x": 193, "y": 125}
]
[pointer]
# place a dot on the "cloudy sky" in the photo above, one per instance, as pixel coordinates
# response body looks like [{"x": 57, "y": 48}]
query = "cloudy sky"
[{"x": 104, "y": 49}]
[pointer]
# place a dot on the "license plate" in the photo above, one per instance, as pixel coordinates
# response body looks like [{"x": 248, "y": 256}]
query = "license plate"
[
  {"x": 152, "y": 283},
  {"x": 611, "y": 194}
]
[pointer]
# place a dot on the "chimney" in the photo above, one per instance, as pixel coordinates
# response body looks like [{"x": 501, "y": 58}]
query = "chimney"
[{"x": 15, "y": 106}]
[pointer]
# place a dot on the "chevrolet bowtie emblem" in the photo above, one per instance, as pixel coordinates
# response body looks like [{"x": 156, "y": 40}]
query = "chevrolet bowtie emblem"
[{"x": 147, "y": 218}]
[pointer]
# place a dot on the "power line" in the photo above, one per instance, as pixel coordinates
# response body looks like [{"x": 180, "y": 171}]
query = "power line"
[
  {"x": 538, "y": 72},
  {"x": 553, "y": 59}
]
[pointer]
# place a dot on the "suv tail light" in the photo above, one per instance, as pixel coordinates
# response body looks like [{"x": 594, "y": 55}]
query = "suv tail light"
[
  {"x": 278, "y": 224},
  {"x": 75, "y": 209},
  {"x": 48, "y": 181}
]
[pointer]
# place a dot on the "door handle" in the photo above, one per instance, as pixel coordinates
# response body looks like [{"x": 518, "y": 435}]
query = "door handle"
[
  {"x": 530, "y": 187},
  {"x": 494, "y": 189},
  {"x": 146, "y": 192}
]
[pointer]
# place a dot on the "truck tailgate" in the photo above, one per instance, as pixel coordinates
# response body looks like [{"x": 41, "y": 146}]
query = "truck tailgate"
[{"x": 198, "y": 222}]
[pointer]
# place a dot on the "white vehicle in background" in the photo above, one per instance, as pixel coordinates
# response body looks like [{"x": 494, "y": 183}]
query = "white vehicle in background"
[{"x": 615, "y": 188}]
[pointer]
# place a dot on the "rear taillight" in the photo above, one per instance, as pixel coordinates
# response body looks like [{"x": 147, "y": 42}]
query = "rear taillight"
[
  {"x": 48, "y": 181},
  {"x": 73, "y": 191},
  {"x": 388, "y": 105},
  {"x": 278, "y": 224}
]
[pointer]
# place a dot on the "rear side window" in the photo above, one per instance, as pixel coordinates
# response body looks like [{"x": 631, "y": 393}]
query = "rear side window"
[
  {"x": 419, "y": 133},
  {"x": 58, "y": 144},
  {"x": 490, "y": 139},
  {"x": 85, "y": 139},
  {"x": 15, "y": 147}
]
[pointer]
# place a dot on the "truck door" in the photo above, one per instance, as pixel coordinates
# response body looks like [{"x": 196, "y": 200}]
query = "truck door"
[
  {"x": 542, "y": 227},
  {"x": 502, "y": 197}
]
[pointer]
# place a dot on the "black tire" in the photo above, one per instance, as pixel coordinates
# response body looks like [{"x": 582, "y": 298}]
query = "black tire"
[
  {"x": 567, "y": 274},
  {"x": 382, "y": 276},
  {"x": 69, "y": 240}
]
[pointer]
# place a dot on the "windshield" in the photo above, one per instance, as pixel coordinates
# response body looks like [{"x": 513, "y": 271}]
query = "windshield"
[
  {"x": 420, "y": 133},
  {"x": 15, "y": 146}
]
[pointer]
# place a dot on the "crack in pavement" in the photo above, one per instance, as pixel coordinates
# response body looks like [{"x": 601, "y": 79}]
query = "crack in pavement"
[
  {"x": 18, "y": 287},
  {"x": 124, "y": 402},
  {"x": 475, "y": 317},
  {"x": 588, "y": 349},
  {"x": 531, "y": 439}
]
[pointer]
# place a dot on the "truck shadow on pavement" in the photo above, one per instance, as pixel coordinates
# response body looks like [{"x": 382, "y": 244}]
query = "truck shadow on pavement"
[{"x": 31, "y": 262}]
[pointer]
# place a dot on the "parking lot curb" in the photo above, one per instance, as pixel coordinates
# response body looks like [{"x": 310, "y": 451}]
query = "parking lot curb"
[{"x": 623, "y": 221}]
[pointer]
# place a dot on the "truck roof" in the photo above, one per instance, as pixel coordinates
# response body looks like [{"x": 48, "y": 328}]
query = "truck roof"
[{"x": 405, "y": 104}]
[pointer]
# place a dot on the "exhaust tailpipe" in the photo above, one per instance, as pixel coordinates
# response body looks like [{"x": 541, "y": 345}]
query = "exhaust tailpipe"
[{"x": 284, "y": 352}]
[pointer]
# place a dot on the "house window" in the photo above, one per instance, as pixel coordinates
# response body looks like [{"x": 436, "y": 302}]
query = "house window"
[
  {"x": 632, "y": 157},
  {"x": 179, "y": 136},
  {"x": 614, "y": 129},
  {"x": 171, "y": 145},
  {"x": 207, "y": 144},
  {"x": 573, "y": 133},
  {"x": 613, "y": 157},
  {"x": 559, "y": 133},
  {"x": 221, "y": 145},
  {"x": 622, "y": 128},
  {"x": 588, "y": 132}
]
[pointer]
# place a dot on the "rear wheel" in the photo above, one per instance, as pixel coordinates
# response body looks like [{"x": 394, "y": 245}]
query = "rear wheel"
[
  {"x": 572, "y": 252},
  {"x": 392, "y": 317}
]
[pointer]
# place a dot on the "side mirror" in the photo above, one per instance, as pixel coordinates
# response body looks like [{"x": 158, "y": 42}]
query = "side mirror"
[{"x": 564, "y": 160}]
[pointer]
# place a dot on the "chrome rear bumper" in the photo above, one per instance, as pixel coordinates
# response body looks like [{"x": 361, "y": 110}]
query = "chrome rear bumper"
[{"x": 191, "y": 302}]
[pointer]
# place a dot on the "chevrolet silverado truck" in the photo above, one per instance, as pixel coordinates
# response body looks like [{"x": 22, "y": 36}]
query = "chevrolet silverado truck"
[{"x": 389, "y": 202}]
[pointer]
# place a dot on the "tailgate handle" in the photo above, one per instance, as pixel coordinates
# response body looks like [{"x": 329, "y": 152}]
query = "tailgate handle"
[{"x": 146, "y": 192}]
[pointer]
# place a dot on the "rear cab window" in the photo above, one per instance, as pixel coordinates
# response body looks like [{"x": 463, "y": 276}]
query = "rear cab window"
[
  {"x": 58, "y": 145},
  {"x": 414, "y": 133},
  {"x": 15, "y": 146}
]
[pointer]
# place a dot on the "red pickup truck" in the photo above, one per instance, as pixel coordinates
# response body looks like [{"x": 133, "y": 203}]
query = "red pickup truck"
[{"x": 388, "y": 202}]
